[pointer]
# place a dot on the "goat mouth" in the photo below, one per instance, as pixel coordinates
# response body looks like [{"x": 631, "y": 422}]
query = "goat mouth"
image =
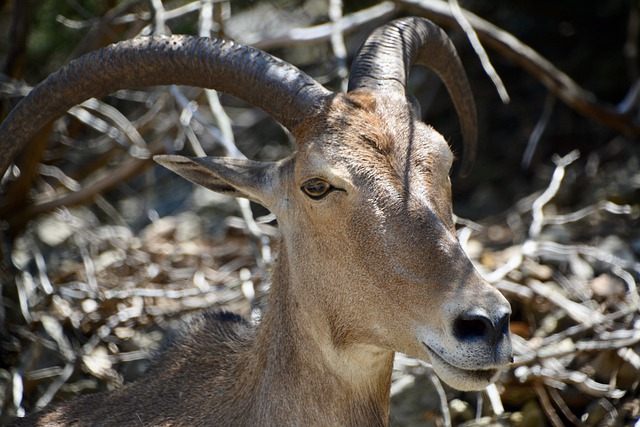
[{"x": 461, "y": 378}]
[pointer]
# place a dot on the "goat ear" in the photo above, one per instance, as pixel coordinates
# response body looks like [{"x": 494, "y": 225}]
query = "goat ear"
[{"x": 234, "y": 177}]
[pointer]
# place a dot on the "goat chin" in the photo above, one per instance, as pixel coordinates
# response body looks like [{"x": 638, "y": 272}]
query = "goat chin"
[{"x": 462, "y": 378}]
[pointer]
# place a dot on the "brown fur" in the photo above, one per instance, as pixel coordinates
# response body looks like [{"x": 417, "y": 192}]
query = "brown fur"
[{"x": 373, "y": 268}]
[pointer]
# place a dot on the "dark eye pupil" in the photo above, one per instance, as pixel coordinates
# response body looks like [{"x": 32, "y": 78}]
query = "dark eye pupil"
[{"x": 316, "y": 188}]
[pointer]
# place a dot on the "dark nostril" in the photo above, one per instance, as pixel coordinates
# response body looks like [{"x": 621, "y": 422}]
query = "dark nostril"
[
  {"x": 477, "y": 324},
  {"x": 472, "y": 325}
]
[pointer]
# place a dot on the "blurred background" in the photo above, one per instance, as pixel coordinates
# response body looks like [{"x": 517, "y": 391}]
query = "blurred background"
[{"x": 104, "y": 253}]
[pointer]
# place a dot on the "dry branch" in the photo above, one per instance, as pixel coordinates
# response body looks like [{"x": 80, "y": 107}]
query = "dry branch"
[
  {"x": 348, "y": 23},
  {"x": 557, "y": 82}
]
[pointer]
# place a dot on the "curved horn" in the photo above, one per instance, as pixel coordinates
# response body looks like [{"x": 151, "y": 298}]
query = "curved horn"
[
  {"x": 386, "y": 58},
  {"x": 280, "y": 89}
]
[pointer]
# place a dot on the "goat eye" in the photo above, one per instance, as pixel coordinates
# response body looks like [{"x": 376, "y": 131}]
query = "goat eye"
[{"x": 316, "y": 188}]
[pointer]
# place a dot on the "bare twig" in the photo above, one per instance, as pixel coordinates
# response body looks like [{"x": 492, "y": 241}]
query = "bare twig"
[
  {"x": 546, "y": 404},
  {"x": 170, "y": 14},
  {"x": 89, "y": 267},
  {"x": 530, "y": 355},
  {"x": 562, "y": 405},
  {"x": 494, "y": 398},
  {"x": 17, "y": 392},
  {"x": 499, "y": 274},
  {"x": 578, "y": 312},
  {"x": 564, "y": 252},
  {"x": 337, "y": 42},
  {"x": 631, "y": 100},
  {"x": 322, "y": 32},
  {"x": 442, "y": 396},
  {"x": 57, "y": 173},
  {"x": 582, "y": 327},
  {"x": 159, "y": 17},
  {"x": 97, "y": 186},
  {"x": 631, "y": 284},
  {"x": 206, "y": 22},
  {"x": 55, "y": 385},
  {"x": 603, "y": 205},
  {"x": 120, "y": 120},
  {"x": 537, "y": 213},
  {"x": 462, "y": 21},
  {"x": 537, "y": 132},
  {"x": 579, "y": 379},
  {"x": 41, "y": 266}
]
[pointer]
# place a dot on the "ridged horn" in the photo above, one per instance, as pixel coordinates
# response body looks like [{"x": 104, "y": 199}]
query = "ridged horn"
[
  {"x": 386, "y": 58},
  {"x": 280, "y": 89}
]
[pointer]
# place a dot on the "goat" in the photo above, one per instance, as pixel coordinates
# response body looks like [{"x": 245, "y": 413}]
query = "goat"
[{"x": 368, "y": 259}]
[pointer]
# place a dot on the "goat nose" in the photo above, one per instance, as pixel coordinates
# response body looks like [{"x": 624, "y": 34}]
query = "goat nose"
[{"x": 478, "y": 324}]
